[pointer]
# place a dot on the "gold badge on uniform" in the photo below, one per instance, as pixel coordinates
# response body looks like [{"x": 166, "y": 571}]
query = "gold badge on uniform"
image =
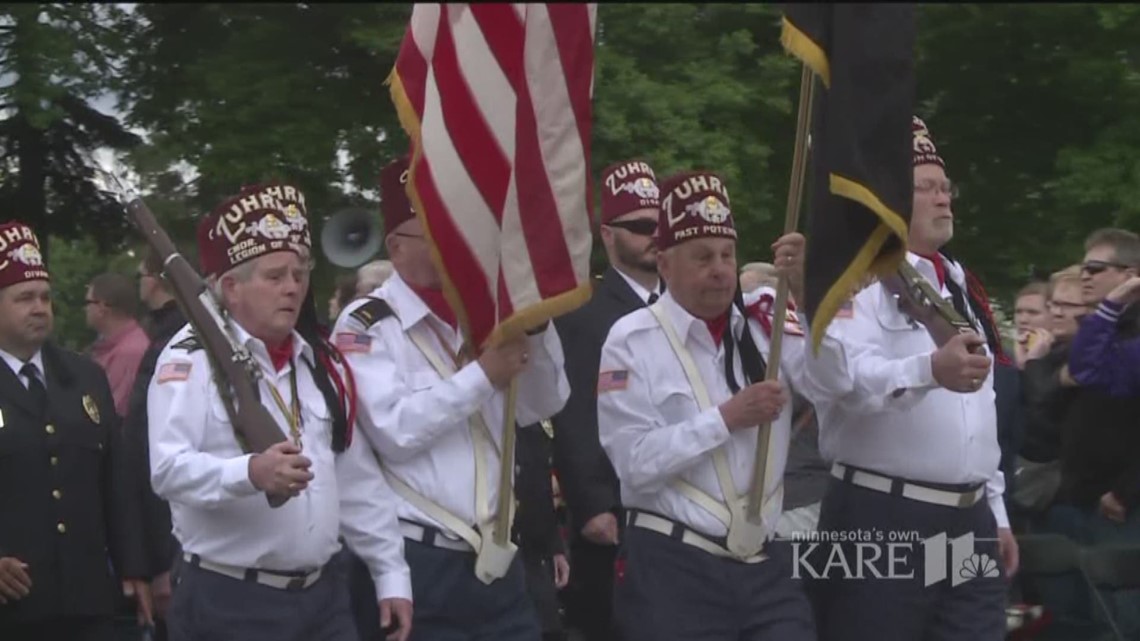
[{"x": 91, "y": 408}]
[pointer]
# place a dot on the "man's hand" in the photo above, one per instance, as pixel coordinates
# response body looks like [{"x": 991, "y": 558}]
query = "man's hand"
[
  {"x": 139, "y": 590},
  {"x": 789, "y": 262},
  {"x": 602, "y": 529},
  {"x": 1007, "y": 547},
  {"x": 956, "y": 369},
  {"x": 15, "y": 583},
  {"x": 160, "y": 590},
  {"x": 561, "y": 571},
  {"x": 1111, "y": 508},
  {"x": 1066, "y": 378},
  {"x": 1040, "y": 342},
  {"x": 280, "y": 470},
  {"x": 505, "y": 361},
  {"x": 1126, "y": 293},
  {"x": 754, "y": 405},
  {"x": 396, "y": 614}
]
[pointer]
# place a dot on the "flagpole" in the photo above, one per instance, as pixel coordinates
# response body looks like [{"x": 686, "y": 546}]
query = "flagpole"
[
  {"x": 507, "y": 468},
  {"x": 791, "y": 222}
]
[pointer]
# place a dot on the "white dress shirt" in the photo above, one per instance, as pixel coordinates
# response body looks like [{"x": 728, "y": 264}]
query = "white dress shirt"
[
  {"x": 217, "y": 513},
  {"x": 418, "y": 421},
  {"x": 880, "y": 408},
  {"x": 16, "y": 365},
  {"x": 638, "y": 288},
  {"x": 654, "y": 431}
]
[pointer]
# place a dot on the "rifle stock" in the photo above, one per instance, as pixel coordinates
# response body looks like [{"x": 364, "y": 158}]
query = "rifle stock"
[
  {"x": 918, "y": 300},
  {"x": 251, "y": 420}
]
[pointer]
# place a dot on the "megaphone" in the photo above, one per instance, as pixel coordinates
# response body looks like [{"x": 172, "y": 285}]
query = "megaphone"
[{"x": 351, "y": 237}]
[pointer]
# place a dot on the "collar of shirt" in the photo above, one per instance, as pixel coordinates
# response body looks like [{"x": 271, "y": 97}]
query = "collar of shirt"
[
  {"x": 637, "y": 288},
  {"x": 15, "y": 363},
  {"x": 257, "y": 346},
  {"x": 689, "y": 326},
  {"x": 408, "y": 306},
  {"x": 925, "y": 267}
]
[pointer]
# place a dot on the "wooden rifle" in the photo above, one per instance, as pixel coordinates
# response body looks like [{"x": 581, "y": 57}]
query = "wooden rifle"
[
  {"x": 917, "y": 298},
  {"x": 236, "y": 373}
]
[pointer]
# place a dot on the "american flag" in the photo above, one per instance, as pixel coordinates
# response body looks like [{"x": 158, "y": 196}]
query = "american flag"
[
  {"x": 496, "y": 100},
  {"x": 174, "y": 372},
  {"x": 349, "y": 342}
]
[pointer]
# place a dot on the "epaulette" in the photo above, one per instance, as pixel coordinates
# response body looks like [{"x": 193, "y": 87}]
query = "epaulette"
[
  {"x": 191, "y": 344},
  {"x": 372, "y": 312}
]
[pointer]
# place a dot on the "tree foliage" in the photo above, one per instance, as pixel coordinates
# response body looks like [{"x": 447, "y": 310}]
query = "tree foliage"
[
  {"x": 56, "y": 59},
  {"x": 1036, "y": 109}
]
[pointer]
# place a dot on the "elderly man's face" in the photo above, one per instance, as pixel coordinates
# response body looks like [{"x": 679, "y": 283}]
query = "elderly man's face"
[
  {"x": 701, "y": 274},
  {"x": 932, "y": 221}
]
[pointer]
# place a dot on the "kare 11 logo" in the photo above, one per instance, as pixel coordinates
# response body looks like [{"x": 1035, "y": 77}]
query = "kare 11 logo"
[{"x": 819, "y": 556}]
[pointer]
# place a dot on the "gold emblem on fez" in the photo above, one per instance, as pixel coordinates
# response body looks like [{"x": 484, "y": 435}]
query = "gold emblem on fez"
[
  {"x": 27, "y": 254},
  {"x": 645, "y": 188},
  {"x": 293, "y": 215},
  {"x": 709, "y": 208},
  {"x": 91, "y": 408},
  {"x": 272, "y": 228}
]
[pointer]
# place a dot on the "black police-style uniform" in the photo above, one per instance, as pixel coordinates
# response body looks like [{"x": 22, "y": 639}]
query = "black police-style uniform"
[
  {"x": 60, "y": 512},
  {"x": 589, "y": 484}
]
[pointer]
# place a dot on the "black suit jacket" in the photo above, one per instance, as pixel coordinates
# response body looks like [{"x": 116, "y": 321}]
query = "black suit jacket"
[
  {"x": 60, "y": 509},
  {"x": 589, "y": 484}
]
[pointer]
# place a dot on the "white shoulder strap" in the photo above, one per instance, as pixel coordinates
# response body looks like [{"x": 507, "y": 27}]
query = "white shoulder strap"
[
  {"x": 483, "y": 441},
  {"x": 733, "y": 507}
]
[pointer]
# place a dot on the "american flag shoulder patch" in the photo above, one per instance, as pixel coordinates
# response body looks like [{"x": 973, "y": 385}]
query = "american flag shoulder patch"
[
  {"x": 178, "y": 371},
  {"x": 613, "y": 380},
  {"x": 348, "y": 342}
]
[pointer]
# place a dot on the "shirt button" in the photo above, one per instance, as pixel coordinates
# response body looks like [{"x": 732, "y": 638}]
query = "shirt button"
[
  {"x": 56, "y": 494},
  {"x": 61, "y": 528},
  {"x": 54, "y": 461},
  {"x": 50, "y": 429}
]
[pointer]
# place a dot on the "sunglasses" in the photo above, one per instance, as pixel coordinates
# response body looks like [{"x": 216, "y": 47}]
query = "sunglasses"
[
  {"x": 641, "y": 227},
  {"x": 1094, "y": 267}
]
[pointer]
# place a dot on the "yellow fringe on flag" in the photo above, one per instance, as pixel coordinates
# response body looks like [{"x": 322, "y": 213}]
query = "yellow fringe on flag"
[
  {"x": 867, "y": 260},
  {"x": 811, "y": 54}
]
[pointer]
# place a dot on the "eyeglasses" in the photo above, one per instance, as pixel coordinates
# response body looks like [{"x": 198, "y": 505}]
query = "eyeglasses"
[
  {"x": 641, "y": 226},
  {"x": 1094, "y": 267},
  {"x": 1064, "y": 304},
  {"x": 402, "y": 234},
  {"x": 931, "y": 186}
]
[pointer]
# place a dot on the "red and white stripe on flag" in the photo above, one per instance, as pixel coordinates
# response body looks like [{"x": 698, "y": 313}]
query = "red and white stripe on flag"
[{"x": 496, "y": 99}]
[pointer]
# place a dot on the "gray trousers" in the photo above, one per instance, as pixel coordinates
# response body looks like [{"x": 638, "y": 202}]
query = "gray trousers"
[
  {"x": 452, "y": 605},
  {"x": 666, "y": 590},
  {"x": 207, "y": 606},
  {"x": 857, "y": 606}
]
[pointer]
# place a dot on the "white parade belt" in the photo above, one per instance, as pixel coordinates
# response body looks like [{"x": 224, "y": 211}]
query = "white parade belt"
[
  {"x": 433, "y": 536},
  {"x": 905, "y": 489},
  {"x": 301, "y": 581}
]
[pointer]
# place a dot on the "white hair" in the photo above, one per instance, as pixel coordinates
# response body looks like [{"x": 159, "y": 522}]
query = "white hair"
[
  {"x": 764, "y": 274},
  {"x": 372, "y": 275},
  {"x": 241, "y": 273}
]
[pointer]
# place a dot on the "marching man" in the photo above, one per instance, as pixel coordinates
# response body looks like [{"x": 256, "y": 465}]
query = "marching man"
[
  {"x": 434, "y": 414},
  {"x": 251, "y": 571},
  {"x": 911, "y": 431},
  {"x": 681, "y": 394}
]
